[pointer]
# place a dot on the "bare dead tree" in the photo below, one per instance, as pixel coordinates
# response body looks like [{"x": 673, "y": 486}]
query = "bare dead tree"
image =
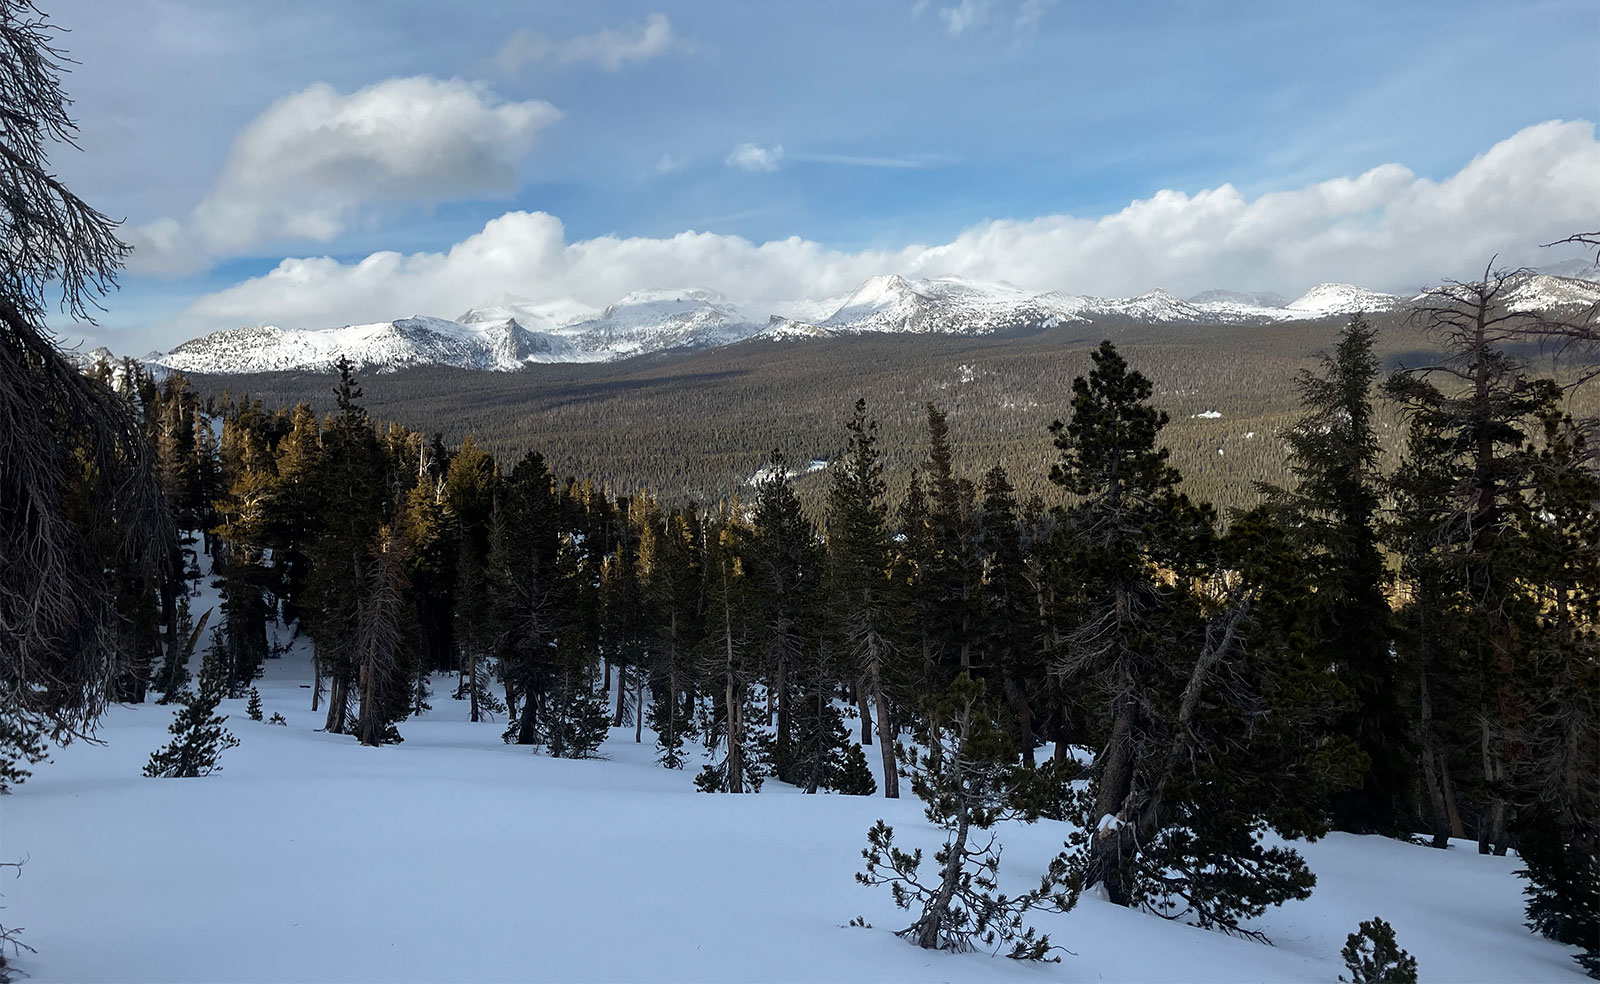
[{"x": 59, "y": 649}]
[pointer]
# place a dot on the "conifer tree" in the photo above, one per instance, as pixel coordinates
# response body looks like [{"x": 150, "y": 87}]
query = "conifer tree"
[
  {"x": 730, "y": 659},
  {"x": 350, "y": 488},
  {"x": 1373, "y": 956},
  {"x": 971, "y": 787},
  {"x": 862, "y": 603},
  {"x": 198, "y": 735},
  {"x": 1333, "y": 452},
  {"x": 785, "y": 570},
  {"x": 1182, "y": 640},
  {"x": 1483, "y": 409},
  {"x": 378, "y": 649},
  {"x": 671, "y": 568}
]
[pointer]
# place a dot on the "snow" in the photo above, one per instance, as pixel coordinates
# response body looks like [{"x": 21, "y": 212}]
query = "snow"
[
  {"x": 1331, "y": 299},
  {"x": 456, "y": 857},
  {"x": 1206, "y": 415},
  {"x": 510, "y": 331}
]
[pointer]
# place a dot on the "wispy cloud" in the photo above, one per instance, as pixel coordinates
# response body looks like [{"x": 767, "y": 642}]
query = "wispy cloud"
[
  {"x": 1031, "y": 13},
  {"x": 963, "y": 17},
  {"x": 609, "y": 48},
  {"x": 755, "y": 159}
]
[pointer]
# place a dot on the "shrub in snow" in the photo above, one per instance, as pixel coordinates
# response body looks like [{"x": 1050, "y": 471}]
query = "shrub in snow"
[
  {"x": 254, "y": 707},
  {"x": 198, "y": 735},
  {"x": 277, "y": 718},
  {"x": 1374, "y": 957},
  {"x": 970, "y": 782}
]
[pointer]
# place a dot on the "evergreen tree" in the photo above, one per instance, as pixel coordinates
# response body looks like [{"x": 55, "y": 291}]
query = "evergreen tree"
[
  {"x": 1374, "y": 957},
  {"x": 670, "y": 564},
  {"x": 785, "y": 567},
  {"x": 351, "y": 491},
  {"x": 967, "y": 791},
  {"x": 1481, "y": 407},
  {"x": 253, "y": 708},
  {"x": 730, "y": 660},
  {"x": 862, "y": 604},
  {"x": 379, "y": 651},
  {"x": 1333, "y": 452},
  {"x": 1182, "y": 640},
  {"x": 199, "y": 737}
]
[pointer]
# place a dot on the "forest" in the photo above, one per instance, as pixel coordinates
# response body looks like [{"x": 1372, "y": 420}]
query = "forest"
[
  {"x": 1386, "y": 621},
  {"x": 1407, "y": 651}
]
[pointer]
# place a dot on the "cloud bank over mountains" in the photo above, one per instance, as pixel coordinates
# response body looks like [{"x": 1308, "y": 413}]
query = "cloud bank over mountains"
[{"x": 1386, "y": 228}]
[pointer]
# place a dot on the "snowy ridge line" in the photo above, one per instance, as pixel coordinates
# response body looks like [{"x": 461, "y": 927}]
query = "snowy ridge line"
[{"x": 512, "y": 332}]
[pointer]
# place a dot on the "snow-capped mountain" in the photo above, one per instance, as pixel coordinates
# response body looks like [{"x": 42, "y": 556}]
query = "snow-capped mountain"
[
  {"x": 510, "y": 332},
  {"x": 946, "y": 305},
  {"x": 1543, "y": 292},
  {"x": 1324, "y": 300},
  {"x": 656, "y": 320},
  {"x": 415, "y": 341}
]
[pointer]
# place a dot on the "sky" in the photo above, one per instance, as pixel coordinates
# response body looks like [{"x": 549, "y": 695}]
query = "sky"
[{"x": 317, "y": 164}]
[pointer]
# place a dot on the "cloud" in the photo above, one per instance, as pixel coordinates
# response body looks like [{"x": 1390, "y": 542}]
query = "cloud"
[
  {"x": 1385, "y": 228},
  {"x": 755, "y": 159},
  {"x": 963, "y": 16},
  {"x": 608, "y": 48},
  {"x": 1031, "y": 13},
  {"x": 314, "y": 161}
]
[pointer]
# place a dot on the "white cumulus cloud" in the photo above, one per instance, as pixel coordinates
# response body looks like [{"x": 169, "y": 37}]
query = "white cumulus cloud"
[
  {"x": 755, "y": 159},
  {"x": 610, "y": 48},
  {"x": 308, "y": 166},
  {"x": 1386, "y": 228}
]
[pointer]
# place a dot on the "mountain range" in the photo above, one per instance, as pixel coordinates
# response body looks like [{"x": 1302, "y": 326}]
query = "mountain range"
[{"x": 512, "y": 332}]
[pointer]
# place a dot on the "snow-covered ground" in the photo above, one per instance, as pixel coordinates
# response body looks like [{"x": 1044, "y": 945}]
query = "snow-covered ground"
[{"x": 455, "y": 857}]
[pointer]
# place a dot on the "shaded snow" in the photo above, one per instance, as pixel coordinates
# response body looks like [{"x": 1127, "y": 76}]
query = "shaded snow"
[{"x": 455, "y": 857}]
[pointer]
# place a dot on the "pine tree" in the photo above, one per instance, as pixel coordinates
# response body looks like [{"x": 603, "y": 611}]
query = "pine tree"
[
  {"x": 1557, "y": 784},
  {"x": 670, "y": 564},
  {"x": 785, "y": 567},
  {"x": 1333, "y": 452},
  {"x": 199, "y": 737},
  {"x": 1374, "y": 957},
  {"x": 253, "y": 708},
  {"x": 968, "y": 788},
  {"x": 1181, "y": 640},
  {"x": 1482, "y": 422},
  {"x": 350, "y": 488},
  {"x": 729, "y": 659},
  {"x": 862, "y": 606},
  {"x": 1003, "y": 637},
  {"x": 379, "y": 651}
]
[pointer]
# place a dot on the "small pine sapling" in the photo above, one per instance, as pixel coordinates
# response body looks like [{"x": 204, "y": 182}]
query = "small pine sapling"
[
  {"x": 855, "y": 775},
  {"x": 967, "y": 782},
  {"x": 253, "y": 708},
  {"x": 1374, "y": 957},
  {"x": 279, "y": 719},
  {"x": 198, "y": 735}
]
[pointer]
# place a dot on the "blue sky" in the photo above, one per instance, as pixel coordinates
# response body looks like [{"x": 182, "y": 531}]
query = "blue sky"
[{"x": 899, "y": 123}]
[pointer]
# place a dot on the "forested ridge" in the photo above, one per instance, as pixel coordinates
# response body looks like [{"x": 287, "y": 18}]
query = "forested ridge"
[{"x": 697, "y": 425}]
